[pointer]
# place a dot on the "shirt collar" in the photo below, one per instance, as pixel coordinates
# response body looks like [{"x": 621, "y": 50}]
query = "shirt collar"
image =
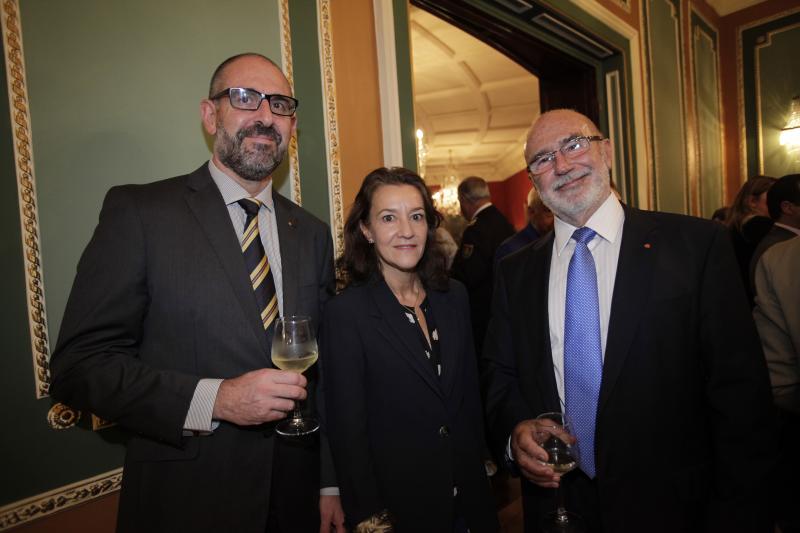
[
  {"x": 481, "y": 208},
  {"x": 232, "y": 192},
  {"x": 606, "y": 221},
  {"x": 794, "y": 230}
]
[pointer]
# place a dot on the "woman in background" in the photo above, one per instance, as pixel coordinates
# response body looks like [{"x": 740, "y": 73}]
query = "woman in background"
[
  {"x": 748, "y": 221},
  {"x": 402, "y": 403}
]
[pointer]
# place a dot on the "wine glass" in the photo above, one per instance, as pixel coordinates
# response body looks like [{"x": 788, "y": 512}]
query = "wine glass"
[
  {"x": 294, "y": 348},
  {"x": 554, "y": 435}
]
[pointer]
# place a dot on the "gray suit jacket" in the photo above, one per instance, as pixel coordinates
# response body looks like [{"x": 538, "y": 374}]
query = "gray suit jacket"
[
  {"x": 162, "y": 299},
  {"x": 777, "y": 315},
  {"x": 775, "y": 235}
]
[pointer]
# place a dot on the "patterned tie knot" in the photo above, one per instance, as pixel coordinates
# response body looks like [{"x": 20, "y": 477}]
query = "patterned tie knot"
[
  {"x": 584, "y": 235},
  {"x": 250, "y": 206}
]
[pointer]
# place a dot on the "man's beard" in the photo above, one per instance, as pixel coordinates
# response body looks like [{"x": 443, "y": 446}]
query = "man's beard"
[
  {"x": 571, "y": 209},
  {"x": 256, "y": 162}
]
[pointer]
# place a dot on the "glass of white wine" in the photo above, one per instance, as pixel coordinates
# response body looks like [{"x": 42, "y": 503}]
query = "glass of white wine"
[
  {"x": 554, "y": 435},
  {"x": 294, "y": 348}
]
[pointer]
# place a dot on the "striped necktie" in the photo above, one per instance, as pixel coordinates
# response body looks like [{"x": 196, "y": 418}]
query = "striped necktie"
[
  {"x": 257, "y": 264},
  {"x": 583, "y": 358}
]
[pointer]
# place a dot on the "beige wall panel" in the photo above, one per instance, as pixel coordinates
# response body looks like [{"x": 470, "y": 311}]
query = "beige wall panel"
[{"x": 357, "y": 93}]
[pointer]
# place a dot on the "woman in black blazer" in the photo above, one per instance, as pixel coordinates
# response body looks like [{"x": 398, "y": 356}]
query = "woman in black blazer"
[{"x": 402, "y": 403}]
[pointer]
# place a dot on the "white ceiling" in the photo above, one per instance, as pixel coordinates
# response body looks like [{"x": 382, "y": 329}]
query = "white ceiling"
[{"x": 472, "y": 102}]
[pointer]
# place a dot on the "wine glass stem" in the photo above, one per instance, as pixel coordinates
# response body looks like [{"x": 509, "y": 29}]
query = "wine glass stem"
[
  {"x": 297, "y": 412},
  {"x": 561, "y": 507}
]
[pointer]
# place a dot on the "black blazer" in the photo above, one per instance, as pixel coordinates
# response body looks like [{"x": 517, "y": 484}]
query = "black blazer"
[
  {"x": 473, "y": 265},
  {"x": 401, "y": 436},
  {"x": 683, "y": 436},
  {"x": 161, "y": 299}
]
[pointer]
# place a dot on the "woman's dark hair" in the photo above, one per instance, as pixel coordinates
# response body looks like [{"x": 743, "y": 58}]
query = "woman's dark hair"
[
  {"x": 359, "y": 262},
  {"x": 740, "y": 210}
]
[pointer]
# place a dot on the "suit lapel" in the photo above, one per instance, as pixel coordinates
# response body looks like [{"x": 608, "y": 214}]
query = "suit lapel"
[
  {"x": 288, "y": 242},
  {"x": 450, "y": 341},
  {"x": 536, "y": 281},
  {"x": 631, "y": 289},
  {"x": 208, "y": 207},
  {"x": 388, "y": 310}
]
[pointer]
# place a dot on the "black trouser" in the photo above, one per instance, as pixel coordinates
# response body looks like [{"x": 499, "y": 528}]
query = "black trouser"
[
  {"x": 787, "y": 482},
  {"x": 294, "y": 494}
]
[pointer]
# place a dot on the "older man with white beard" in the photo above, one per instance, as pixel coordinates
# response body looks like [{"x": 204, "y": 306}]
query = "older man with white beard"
[
  {"x": 634, "y": 325},
  {"x": 168, "y": 328}
]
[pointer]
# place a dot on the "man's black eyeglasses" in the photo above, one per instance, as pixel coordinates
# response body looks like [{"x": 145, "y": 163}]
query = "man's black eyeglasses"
[{"x": 250, "y": 100}]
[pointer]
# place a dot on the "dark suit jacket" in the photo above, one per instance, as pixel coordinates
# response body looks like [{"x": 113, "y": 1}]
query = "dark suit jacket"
[
  {"x": 775, "y": 235},
  {"x": 519, "y": 240},
  {"x": 683, "y": 436},
  {"x": 474, "y": 264},
  {"x": 161, "y": 299},
  {"x": 401, "y": 436}
]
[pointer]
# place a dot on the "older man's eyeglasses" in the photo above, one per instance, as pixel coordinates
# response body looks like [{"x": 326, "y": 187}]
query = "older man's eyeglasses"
[
  {"x": 571, "y": 149},
  {"x": 250, "y": 100}
]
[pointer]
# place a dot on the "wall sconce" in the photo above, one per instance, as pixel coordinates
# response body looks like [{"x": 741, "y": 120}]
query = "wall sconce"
[{"x": 790, "y": 135}]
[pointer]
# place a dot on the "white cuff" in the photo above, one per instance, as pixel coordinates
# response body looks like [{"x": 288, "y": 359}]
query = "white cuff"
[
  {"x": 198, "y": 419},
  {"x": 329, "y": 491}
]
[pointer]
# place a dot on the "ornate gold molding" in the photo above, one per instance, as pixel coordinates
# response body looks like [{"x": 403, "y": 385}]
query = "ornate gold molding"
[
  {"x": 286, "y": 57},
  {"x": 59, "y": 499},
  {"x": 61, "y": 416},
  {"x": 26, "y": 185},
  {"x": 331, "y": 124}
]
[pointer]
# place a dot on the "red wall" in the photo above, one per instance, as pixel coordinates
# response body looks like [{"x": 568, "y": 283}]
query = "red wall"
[{"x": 510, "y": 195}]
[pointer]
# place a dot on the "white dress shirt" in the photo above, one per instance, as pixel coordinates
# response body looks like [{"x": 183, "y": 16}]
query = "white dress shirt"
[
  {"x": 607, "y": 222},
  {"x": 198, "y": 418}
]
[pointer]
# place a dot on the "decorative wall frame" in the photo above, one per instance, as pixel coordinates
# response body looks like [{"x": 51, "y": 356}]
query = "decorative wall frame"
[
  {"x": 331, "y": 125},
  {"x": 676, "y": 9},
  {"x": 26, "y": 185},
  {"x": 704, "y": 33},
  {"x": 744, "y": 58}
]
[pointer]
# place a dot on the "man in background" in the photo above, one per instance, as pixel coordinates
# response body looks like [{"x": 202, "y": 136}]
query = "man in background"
[
  {"x": 783, "y": 203},
  {"x": 540, "y": 221},
  {"x": 777, "y": 315},
  {"x": 635, "y": 325},
  {"x": 168, "y": 327},
  {"x": 474, "y": 262}
]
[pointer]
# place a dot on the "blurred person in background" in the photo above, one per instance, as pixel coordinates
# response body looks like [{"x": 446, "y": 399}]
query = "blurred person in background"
[
  {"x": 748, "y": 221},
  {"x": 540, "y": 221},
  {"x": 474, "y": 263}
]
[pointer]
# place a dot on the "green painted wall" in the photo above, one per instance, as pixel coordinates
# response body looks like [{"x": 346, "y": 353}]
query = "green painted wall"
[
  {"x": 709, "y": 121},
  {"x": 114, "y": 91},
  {"x": 404, "y": 89},
  {"x": 666, "y": 92},
  {"x": 311, "y": 136}
]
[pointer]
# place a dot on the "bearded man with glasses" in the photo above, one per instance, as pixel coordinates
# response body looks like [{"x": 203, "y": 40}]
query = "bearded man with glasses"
[
  {"x": 166, "y": 335},
  {"x": 635, "y": 325}
]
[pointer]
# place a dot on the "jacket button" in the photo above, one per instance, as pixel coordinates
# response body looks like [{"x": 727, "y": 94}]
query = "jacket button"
[{"x": 443, "y": 431}]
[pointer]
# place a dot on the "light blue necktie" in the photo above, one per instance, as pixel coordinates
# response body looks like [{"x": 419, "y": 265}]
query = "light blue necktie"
[{"x": 583, "y": 358}]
